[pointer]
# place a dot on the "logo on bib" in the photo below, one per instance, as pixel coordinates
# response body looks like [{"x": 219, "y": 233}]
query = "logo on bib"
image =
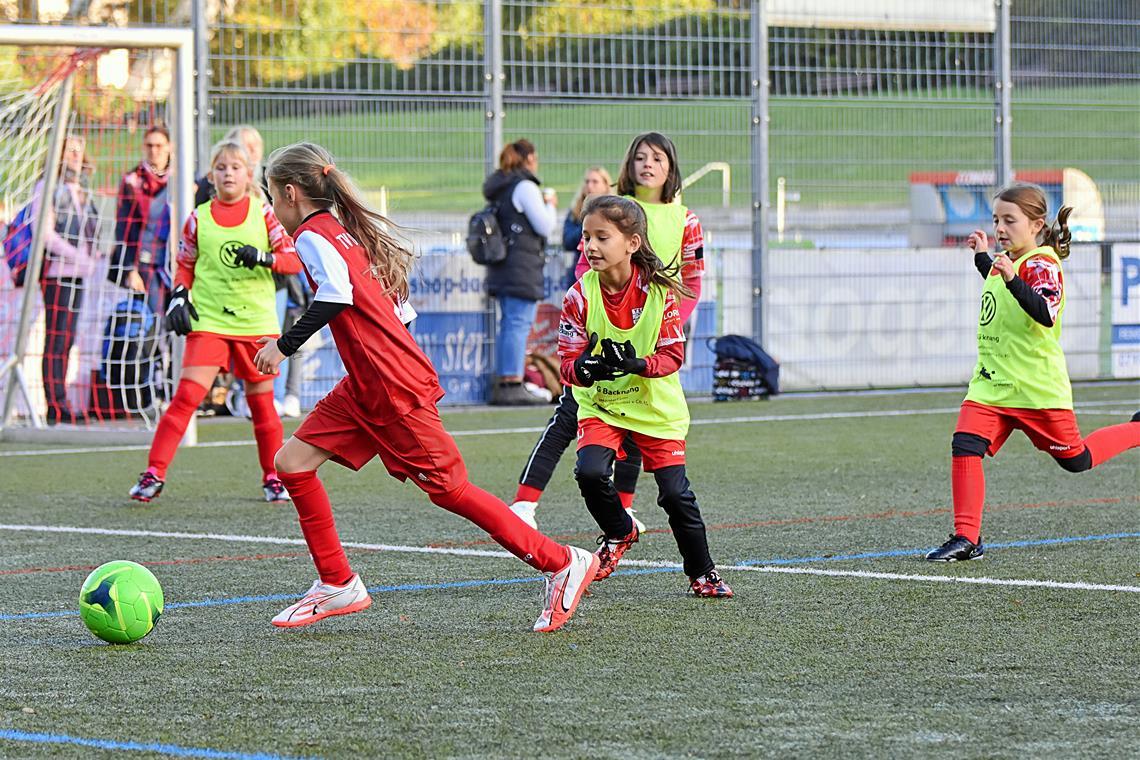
[
  {"x": 989, "y": 309},
  {"x": 228, "y": 253}
]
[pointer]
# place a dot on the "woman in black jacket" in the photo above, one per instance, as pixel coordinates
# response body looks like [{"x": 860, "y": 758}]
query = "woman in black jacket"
[{"x": 526, "y": 217}]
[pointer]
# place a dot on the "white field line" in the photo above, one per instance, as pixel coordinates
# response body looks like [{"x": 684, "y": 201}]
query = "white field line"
[
  {"x": 1025, "y": 583},
  {"x": 1087, "y": 405}
]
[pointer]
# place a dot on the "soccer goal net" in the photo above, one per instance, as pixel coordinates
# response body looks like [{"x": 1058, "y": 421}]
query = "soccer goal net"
[{"x": 96, "y": 170}]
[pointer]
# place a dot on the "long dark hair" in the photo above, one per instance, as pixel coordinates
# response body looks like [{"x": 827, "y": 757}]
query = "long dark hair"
[
  {"x": 310, "y": 168},
  {"x": 1033, "y": 202},
  {"x": 627, "y": 182},
  {"x": 630, "y": 220}
]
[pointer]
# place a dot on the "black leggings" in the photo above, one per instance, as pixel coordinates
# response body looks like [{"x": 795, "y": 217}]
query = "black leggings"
[
  {"x": 63, "y": 299},
  {"x": 595, "y": 465},
  {"x": 560, "y": 432}
]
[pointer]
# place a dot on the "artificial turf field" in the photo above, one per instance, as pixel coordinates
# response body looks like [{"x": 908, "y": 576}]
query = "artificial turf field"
[{"x": 808, "y": 496}]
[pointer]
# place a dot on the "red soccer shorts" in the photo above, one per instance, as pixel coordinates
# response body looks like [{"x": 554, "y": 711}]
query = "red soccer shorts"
[
  {"x": 413, "y": 446},
  {"x": 1053, "y": 431},
  {"x": 231, "y": 354},
  {"x": 656, "y": 453}
]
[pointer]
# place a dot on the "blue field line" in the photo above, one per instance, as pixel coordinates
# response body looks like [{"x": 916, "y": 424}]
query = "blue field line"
[
  {"x": 915, "y": 552},
  {"x": 641, "y": 571},
  {"x": 165, "y": 749}
]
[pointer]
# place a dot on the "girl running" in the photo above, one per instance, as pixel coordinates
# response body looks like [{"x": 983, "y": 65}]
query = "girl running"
[
  {"x": 651, "y": 176},
  {"x": 223, "y": 300},
  {"x": 1020, "y": 381},
  {"x": 386, "y": 404},
  {"x": 621, "y": 343}
]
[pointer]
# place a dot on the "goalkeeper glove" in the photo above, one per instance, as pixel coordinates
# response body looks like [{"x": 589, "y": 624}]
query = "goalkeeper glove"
[
  {"x": 180, "y": 311},
  {"x": 250, "y": 257},
  {"x": 622, "y": 357},
  {"x": 590, "y": 368}
]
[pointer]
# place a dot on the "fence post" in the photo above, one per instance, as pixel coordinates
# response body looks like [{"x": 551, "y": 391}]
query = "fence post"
[
  {"x": 202, "y": 73},
  {"x": 1003, "y": 94},
  {"x": 759, "y": 158},
  {"x": 494, "y": 78}
]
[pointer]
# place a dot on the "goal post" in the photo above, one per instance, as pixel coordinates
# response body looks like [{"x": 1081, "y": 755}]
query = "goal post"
[{"x": 33, "y": 157}]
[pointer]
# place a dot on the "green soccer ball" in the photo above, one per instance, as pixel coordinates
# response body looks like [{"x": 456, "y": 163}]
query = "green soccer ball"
[{"x": 120, "y": 601}]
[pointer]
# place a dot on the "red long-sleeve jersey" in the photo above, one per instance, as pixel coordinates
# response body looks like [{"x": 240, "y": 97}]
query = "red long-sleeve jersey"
[
  {"x": 231, "y": 215},
  {"x": 623, "y": 310}
]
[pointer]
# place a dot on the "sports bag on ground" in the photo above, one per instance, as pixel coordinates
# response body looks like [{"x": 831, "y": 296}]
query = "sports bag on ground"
[
  {"x": 743, "y": 369},
  {"x": 130, "y": 352}
]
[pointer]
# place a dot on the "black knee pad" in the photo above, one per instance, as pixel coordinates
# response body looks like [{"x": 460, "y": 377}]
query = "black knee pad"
[
  {"x": 968, "y": 445},
  {"x": 595, "y": 464},
  {"x": 1079, "y": 463}
]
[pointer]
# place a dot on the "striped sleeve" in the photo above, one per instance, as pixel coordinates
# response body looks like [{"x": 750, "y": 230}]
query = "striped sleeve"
[
  {"x": 285, "y": 259},
  {"x": 693, "y": 246},
  {"x": 187, "y": 251}
]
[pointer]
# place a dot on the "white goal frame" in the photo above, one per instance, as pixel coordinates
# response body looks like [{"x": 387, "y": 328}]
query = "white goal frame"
[{"x": 181, "y": 43}]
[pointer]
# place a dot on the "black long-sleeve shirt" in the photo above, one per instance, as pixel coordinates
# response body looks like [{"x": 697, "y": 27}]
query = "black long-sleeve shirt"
[{"x": 1030, "y": 300}]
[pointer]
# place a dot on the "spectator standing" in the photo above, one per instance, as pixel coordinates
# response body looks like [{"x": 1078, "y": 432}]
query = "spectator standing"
[
  {"x": 596, "y": 181},
  {"x": 73, "y": 231},
  {"x": 142, "y": 223},
  {"x": 527, "y": 218}
]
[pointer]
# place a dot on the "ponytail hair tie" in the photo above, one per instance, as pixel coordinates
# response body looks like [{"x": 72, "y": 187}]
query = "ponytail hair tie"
[{"x": 328, "y": 168}]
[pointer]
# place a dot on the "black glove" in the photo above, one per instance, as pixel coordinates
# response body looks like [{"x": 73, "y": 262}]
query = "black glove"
[
  {"x": 180, "y": 311},
  {"x": 249, "y": 257},
  {"x": 590, "y": 368},
  {"x": 622, "y": 357}
]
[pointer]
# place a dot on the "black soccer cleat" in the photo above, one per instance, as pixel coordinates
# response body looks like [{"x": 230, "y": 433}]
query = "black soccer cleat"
[
  {"x": 1136, "y": 417},
  {"x": 957, "y": 549}
]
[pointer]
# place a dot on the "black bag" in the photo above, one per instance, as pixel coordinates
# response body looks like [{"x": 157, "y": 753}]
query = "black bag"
[
  {"x": 484, "y": 238},
  {"x": 743, "y": 369},
  {"x": 130, "y": 352}
]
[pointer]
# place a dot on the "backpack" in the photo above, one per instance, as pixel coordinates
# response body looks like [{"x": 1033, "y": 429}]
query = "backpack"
[
  {"x": 484, "y": 238},
  {"x": 18, "y": 245},
  {"x": 130, "y": 351},
  {"x": 743, "y": 369}
]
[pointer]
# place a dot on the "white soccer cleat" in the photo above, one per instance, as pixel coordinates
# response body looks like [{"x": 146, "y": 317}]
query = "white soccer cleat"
[
  {"x": 525, "y": 511},
  {"x": 324, "y": 600},
  {"x": 291, "y": 406},
  {"x": 564, "y": 590},
  {"x": 638, "y": 523}
]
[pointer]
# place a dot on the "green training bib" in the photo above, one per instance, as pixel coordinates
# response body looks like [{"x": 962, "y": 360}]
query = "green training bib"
[
  {"x": 654, "y": 406},
  {"x": 231, "y": 299},
  {"x": 1020, "y": 361},
  {"x": 666, "y": 223}
]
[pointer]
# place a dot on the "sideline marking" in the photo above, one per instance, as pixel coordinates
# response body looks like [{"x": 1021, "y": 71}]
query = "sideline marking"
[
  {"x": 651, "y": 566},
  {"x": 572, "y": 537},
  {"x": 779, "y": 522},
  {"x": 1086, "y": 405},
  {"x": 461, "y": 552},
  {"x": 165, "y": 749}
]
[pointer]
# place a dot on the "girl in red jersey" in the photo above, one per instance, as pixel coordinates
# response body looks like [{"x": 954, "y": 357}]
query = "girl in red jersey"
[
  {"x": 1020, "y": 381},
  {"x": 386, "y": 404},
  {"x": 224, "y": 299},
  {"x": 621, "y": 343},
  {"x": 650, "y": 175}
]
